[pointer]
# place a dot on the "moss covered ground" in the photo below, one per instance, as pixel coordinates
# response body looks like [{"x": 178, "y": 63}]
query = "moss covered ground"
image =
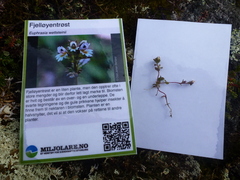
[{"x": 146, "y": 164}]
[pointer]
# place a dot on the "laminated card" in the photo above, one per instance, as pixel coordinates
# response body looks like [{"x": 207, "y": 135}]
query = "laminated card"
[
  {"x": 75, "y": 91},
  {"x": 179, "y": 86}
]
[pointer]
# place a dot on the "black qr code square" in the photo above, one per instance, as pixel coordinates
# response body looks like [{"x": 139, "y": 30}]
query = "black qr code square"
[{"x": 116, "y": 136}]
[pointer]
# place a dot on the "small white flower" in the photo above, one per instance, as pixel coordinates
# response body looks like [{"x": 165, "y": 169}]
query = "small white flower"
[
  {"x": 72, "y": 74},
  {"x": 61, "y": 49},
  {"x": 73, "y": 46},
  {"x": 83, "y": 45},
  {"x": 62, "y": 53},
  {"x": 84, "y": 61},
  {"x": 87, "y": 52}
]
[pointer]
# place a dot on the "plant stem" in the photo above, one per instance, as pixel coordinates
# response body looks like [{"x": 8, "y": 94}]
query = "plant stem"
[
  {"x": 75, "y": 69},
  {"x": 166, "y": 100}
]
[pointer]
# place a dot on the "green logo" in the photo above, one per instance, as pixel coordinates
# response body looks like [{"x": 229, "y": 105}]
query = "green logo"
[{"x": 31, "y": 151}]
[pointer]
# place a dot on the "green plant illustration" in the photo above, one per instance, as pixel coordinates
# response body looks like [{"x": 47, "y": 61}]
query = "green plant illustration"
[{"x": 161, "y": 80}]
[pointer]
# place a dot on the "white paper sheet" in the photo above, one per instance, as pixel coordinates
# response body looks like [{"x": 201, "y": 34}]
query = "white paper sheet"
[{"x": 189, "y": 51}]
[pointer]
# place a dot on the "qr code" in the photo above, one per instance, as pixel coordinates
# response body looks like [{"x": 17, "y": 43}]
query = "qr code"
[{"x": 116, "y": 136}]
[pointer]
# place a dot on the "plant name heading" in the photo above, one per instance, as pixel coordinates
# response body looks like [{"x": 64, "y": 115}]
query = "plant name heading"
[{"x": 48, "y": 25}]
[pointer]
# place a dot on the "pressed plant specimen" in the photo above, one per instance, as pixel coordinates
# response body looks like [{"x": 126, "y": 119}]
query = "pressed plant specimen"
[{"x": 161, "y": 80}]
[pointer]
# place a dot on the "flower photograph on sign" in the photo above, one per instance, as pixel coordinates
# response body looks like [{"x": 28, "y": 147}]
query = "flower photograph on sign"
[
  {"x": 78, "y": 55},
  {"x": 74, "y": 60}
]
